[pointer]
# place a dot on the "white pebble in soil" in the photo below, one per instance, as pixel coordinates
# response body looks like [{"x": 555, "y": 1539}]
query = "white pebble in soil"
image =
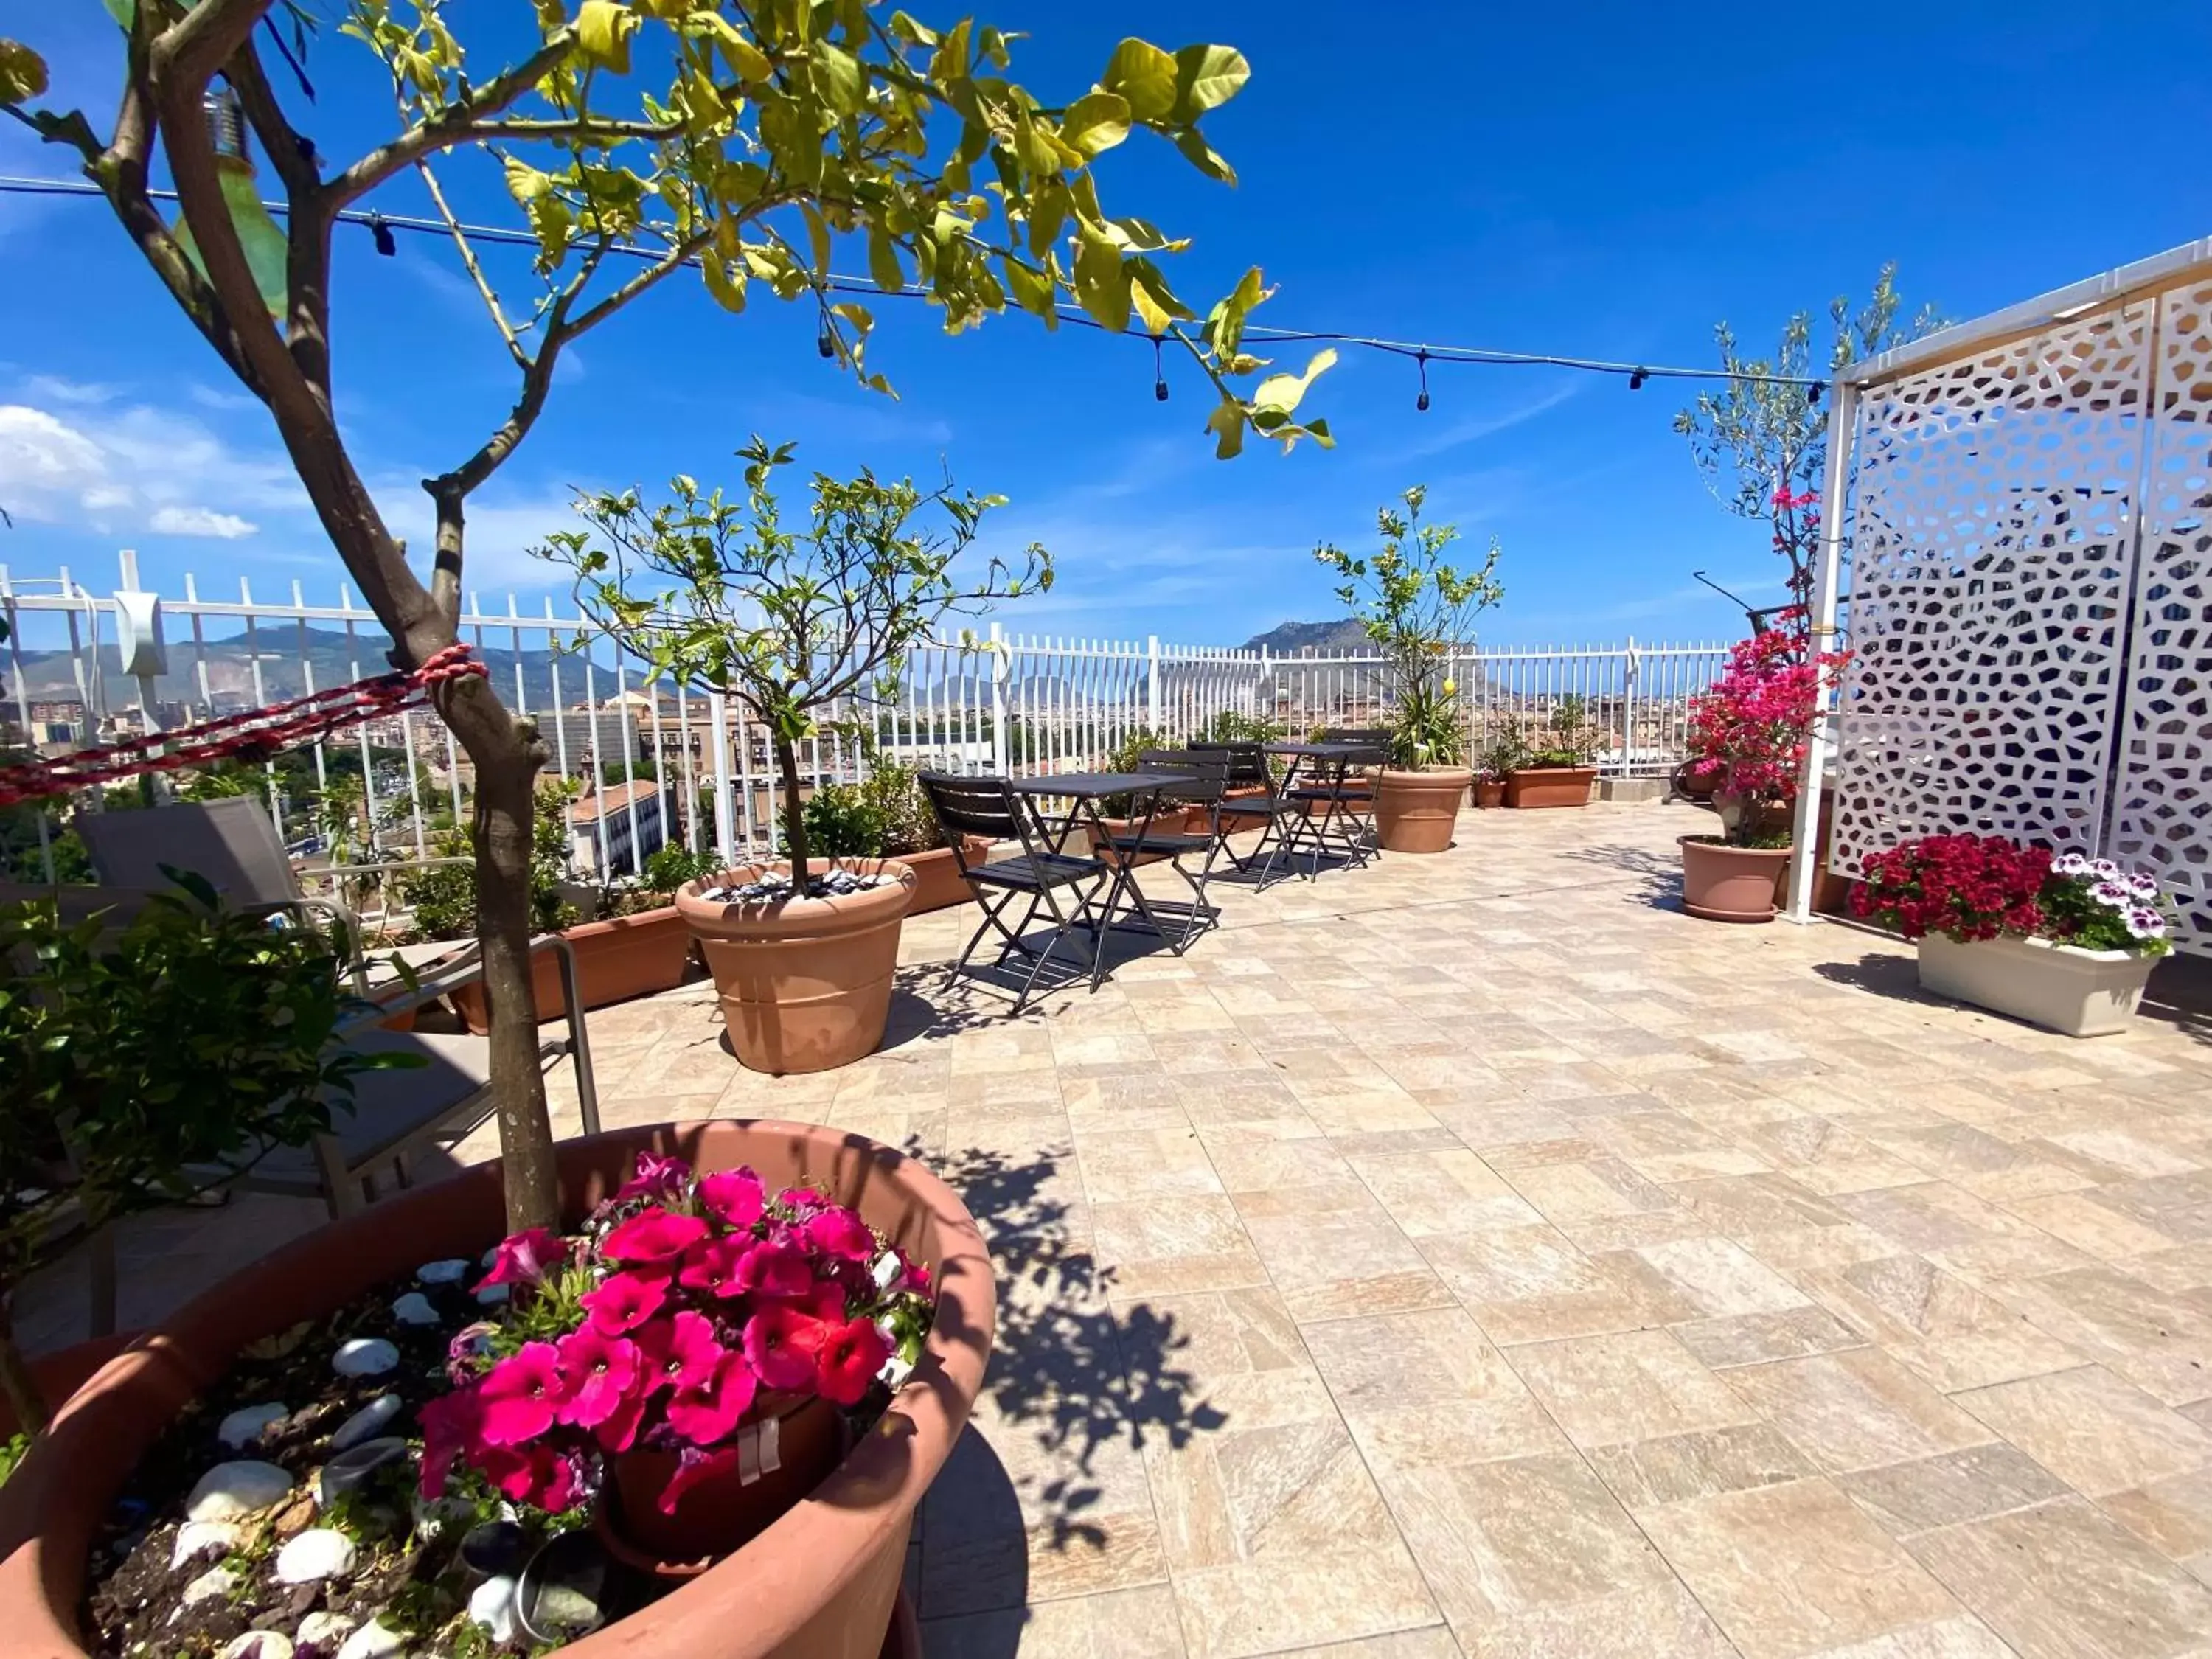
[
  {"x": 215, "y": 1581},
  {"x": 365, "y": 1356},
  {"x": 229, "y": 1490},
  {"x": 492, "y": 1295},
  {"x": 372, "y": 1641},
  {"x": 258, "y": 1644},
  {"x": 322, "y": 1630},
  {"x": 243, "y": 1426},
  {"x": 195, "y": 1537},
  {"x": 491, "y": 1605},
  {"x": 366, "y": 1422},
  {"x": 319, "y": 1553},
  {"x": 415, "y": 1308},
  {"x": 449, "y": 1271}
]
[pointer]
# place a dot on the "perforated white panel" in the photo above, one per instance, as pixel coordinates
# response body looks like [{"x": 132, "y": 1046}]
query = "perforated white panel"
[
  {"x": 1990, "y": 554},
  {"x": 2163, "y": 799}
]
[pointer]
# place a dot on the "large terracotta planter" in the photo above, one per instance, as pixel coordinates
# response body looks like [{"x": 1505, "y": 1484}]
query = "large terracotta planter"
[
  {"x": 819, "y": 1583},
  {"x": 1722, "y": 883},
  {"x": 1415, "y": 810},
  {"x": 937, "y": 881},
  {"x": 2061, "y": 987},
  {"x": 805, "y": 983},
  {"x": 1549, "y": 786},
  {"x": 61, "y": 1374},
  {"x": 713, "y": 1517},
  {"x": 622, "y": 958}
]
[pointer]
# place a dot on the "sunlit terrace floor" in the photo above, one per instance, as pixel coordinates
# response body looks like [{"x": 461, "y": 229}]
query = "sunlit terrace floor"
[{"x": 1475, "y": 1254}]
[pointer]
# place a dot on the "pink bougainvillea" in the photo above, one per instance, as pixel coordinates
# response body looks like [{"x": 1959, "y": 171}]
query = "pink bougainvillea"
[
  {"x": 1750, "y": 727},
  {"x": 688, "y": 1306}
]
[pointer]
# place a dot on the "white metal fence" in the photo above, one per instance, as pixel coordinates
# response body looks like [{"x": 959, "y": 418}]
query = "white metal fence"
[{"x": 989, "y": 701}]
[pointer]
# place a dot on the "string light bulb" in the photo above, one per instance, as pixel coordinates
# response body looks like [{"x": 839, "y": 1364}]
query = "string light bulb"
[
  {"x": 1159, "y": 374},
  {"x": 382, "y": 233},
  {"x": 1813, "y": 393},
  {"x": 1635, "y": 379},
  {"x": 1421, "y": 368},
  {"x": 826, "y": 343},
  {"x": 267, "y": 252}
]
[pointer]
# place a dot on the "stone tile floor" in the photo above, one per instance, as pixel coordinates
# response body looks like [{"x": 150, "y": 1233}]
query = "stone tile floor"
[{"x": 1476, "y": 1255}]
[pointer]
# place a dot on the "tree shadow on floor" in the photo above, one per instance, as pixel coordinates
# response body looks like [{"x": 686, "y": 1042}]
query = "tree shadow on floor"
[
  {"x": 1886, "y": 975},
  {"x": 1658, "y": 875},
  {"x": 1080, "y": 1382}
]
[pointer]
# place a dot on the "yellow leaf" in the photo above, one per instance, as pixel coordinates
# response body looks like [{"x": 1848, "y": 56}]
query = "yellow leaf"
[
  {"x": 603, "y": 31},
  {"x": 23, "y": 73},
  {"x": 746, "y": 61}
]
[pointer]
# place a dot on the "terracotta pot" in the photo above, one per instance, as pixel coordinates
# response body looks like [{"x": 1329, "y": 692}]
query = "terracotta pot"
[
  {"x": 806, "y": 982},
  {"x": 61, "y": 1374},
  {"x": 1722, "y": 883},
  {"x": 1549, "y": 786},
  {"x": 713, "y": 1517},
  {"x": 819, "y": 1583},
  {"x": 1168, "y": 823},
  {"x": 937, "y": 881},
  {"x": 1489, "y": 791},
  {"x": 622, "y": 958},
  {"x": 1414, "y": 812}
]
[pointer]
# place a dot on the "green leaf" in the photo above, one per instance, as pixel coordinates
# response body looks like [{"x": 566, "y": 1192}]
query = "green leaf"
[
  {"x": 1101, "y": 282},
  {"x": 1203, "y": 156},
  {"x": 746, "y": 61},
  {"x": 884, "y": 260},
  {"x": 1144, "y": 76},
  {"x": 23, "y": 73},
  {"x": 603, "y": 31},
  {"x": 839, "y": 81},
  {"x": 1227, "y": 423},
  {"x": 1207, "y": 77},
  {"x": 1096, "y": 122},
  {"x": 1032, "y": 289},
  {"x": 1281, "y": 393},
  {"x": 725, "y": 281}
]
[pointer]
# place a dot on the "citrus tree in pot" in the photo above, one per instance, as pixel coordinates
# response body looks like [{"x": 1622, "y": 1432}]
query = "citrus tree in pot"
[
  {"x": 1417, "y": 608},
  {"x": 1750, "y": 728},
  {"x": 795, "y": 624},
  {"x": 886, "y": 814}
]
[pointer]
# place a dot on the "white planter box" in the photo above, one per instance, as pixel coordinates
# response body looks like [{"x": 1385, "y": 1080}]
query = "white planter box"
[{"x": 2059, "y": 987}]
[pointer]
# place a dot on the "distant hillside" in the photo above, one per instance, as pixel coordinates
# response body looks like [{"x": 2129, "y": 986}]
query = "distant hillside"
[{"x": 1293, "y": 637}]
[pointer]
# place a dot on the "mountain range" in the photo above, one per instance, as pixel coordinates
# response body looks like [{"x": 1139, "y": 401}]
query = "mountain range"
[{"x": 1290, "y": 638}]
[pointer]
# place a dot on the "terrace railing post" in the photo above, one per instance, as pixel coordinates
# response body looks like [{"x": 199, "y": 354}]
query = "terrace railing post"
[
  {"x": 1152, "y": 684},
  {"x": 1630, "y": 678},
  {"x": 718, "y": 718},
  {"x": 1001, "y": 749}
]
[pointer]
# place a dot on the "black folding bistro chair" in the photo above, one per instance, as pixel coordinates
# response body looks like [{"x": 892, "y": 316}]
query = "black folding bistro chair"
[
  {"x": 1344, "y": 802},
  {"x": 990, "y": 808},
  {"x": 1250, "y": 800},
  {"x": 1207, "y": 781}
]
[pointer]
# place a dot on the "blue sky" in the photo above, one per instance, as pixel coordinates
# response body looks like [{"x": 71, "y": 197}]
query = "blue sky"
[{"x": 1601, "y": 180}]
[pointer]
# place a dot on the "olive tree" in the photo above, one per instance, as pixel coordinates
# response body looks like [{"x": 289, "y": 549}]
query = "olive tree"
[{"x": 751, "y": 141}]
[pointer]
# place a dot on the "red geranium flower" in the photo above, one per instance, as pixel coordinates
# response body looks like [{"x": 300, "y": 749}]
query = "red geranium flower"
[
  {"x": 680, "y": 1352},
  {"x": 598, "y": 1371},
  {"x": 656, "y": 1237},
  {"x": 734, "y": 1197},
  {"x": 626, "y": 1300},
  {"x": 847, "y": 1360},
  {"x": 773, "y": 1268},
  {"x": 711, "y": 1265},
  {"x": 526, "y": 1258},
  {"x": 839, "y": 1232},
  {"x": 522, "y": 1395},
  {"x": 704, "y": 1416},
  {"x": 781, "y": 1342}
]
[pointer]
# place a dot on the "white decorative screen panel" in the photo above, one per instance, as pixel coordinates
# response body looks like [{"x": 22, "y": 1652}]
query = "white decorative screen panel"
[
  {"x": 2162, "y": 799},
  {"x": 1994, "y": 534}
]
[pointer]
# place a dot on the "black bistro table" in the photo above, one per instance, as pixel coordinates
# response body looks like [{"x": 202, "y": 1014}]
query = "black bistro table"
[
  {"x": 1322, "y": 768},
  {"x": 1087, "y": 790}
]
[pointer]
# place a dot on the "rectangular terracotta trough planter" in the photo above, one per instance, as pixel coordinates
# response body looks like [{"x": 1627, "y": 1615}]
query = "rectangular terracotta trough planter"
[
  {"x": 1549, "y": 786},
  {"x": 622, "y": 958}
]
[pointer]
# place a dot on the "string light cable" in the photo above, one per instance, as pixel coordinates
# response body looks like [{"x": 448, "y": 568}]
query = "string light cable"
[{"x": 381, "y": 225}]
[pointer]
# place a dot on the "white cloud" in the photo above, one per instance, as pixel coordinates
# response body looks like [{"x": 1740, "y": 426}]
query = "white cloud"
[
  {"x": 199, "y": 521},
  {"x": 70, "y": 458},
  {"x": 1475, "y": 427}
]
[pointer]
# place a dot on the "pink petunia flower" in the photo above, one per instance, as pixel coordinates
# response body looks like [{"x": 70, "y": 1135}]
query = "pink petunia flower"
[
  {"x": 656, "y": 1239},
  {"x": 598, "y": 1371},
  {"x": 781, "y": 1343},
  {"x": 705, "y": 1416},
  {"x": 680, "y": 1352},
  {"x": 656, "y": 1177},
  {"x": 526, "y": 1258},
  {"x": 733, "y": 1197},
  {"x": 839, "y": 1232},
  {"x": 693, "y": 1466},
  {"x": 536, "y": 1475},
  {"x": 618, "y": 1431},
  {"x": 804, "y": 1200},
  {"x": 626, "y": 1300},
  {"x": 711, "y": 1264},
  {"x": 917, "y": 1276},
  {"x": 522, "y": 1395},
  {"x": 847, "y": 1360},
  {"x": 775, "y": 1269},
  {"x": 452, "y": 1427}
]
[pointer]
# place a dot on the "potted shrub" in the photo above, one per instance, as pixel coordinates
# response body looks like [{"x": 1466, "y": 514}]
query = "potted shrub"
[
  {"x": 1750, "y": 728},
  {"x": 1418, "y": 609},
  {"x": 143, "y": 1065},
  {"x": 1556, "y": 769},
  {"x": 634, "y": 943},
  {"x": 1231, "y": 726},
  {"x": 886, "y": 816},
  {"x": 1495, "y": 764},
  {"x": 794, "y": 624},
  {"x": 533, "y": 1388},
  {"x": 2061, "y": 941},
  {"x": 1117, "y": 814}
]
